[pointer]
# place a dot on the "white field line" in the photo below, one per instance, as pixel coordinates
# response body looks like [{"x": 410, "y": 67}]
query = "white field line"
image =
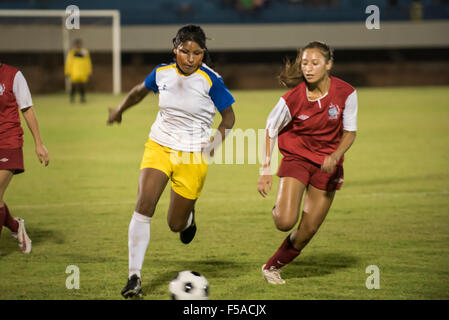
[{"x": 214, "y": 199}]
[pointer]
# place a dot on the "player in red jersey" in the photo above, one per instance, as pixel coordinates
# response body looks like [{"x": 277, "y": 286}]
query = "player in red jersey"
[
  {"x": 316, "y": 122},
  {"x": 15, "y": 95}
]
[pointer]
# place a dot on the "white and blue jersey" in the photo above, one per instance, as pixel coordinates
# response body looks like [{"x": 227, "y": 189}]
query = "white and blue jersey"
[{"x": 187, "y": 105}]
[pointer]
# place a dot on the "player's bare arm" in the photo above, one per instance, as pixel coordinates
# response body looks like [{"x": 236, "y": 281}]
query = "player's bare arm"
[
  {"x": 331, "y": 160},
  {"x": 134, "y": 97},
  {"x": 227, "y": 123},
  {"x": 266, "y": 180},
  {"x": 31, "y": 120},
  {"x": 227, "y": 120}
]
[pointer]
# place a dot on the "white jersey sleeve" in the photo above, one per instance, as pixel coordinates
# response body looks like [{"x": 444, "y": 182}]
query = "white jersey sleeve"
[
  {"x": 350, "y": 113},
  {"x": 278, "y": 118},
  {"x": 21, "y": 91}
]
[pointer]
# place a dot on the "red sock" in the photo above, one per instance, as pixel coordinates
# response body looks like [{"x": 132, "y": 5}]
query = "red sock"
[
  {"x": 2, "y": 217},
  {"x": 284, "y": 255},
  {"x": 10, "y": 222}
]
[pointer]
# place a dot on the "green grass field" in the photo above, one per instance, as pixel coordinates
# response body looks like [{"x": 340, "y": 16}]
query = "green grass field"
[{"x": 392, "y": 212}]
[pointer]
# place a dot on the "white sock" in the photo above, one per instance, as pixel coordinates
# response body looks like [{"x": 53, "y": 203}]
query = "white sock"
[
  {"x": 189, "y": 221},
  {"x": 138, "y": 239}
]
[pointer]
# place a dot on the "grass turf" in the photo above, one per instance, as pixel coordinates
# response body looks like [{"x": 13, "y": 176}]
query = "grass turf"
[{"x": 393, "y": 209}]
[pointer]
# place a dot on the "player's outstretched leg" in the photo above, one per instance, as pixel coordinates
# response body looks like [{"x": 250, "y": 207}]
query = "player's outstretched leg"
[
  {"x": 151, "y": 185},
  {"x": 285, "y": 216},
  {"x": 133, "y": 288},
  {"x": 138, "y": 240},
  {"x": 316, "y": 206}
]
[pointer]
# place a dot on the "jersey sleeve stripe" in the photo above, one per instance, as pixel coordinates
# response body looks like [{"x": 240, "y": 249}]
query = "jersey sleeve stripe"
[
  {"x": 164, "y": 67},
  {"x": 205, "y": 75}
]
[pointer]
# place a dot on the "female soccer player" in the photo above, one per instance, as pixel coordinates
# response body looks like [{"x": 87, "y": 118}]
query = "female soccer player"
[
  {"x": 316, "y": 125},
  {"x": 189, "y": 92},
  {"x": 15, "y": 95}
]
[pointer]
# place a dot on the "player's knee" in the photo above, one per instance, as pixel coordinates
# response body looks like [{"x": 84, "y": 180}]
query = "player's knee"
[
  {"x": 282, "y": 222},
  {"x": 176, "y": 226},
  {"x": 284, "y": 225}
]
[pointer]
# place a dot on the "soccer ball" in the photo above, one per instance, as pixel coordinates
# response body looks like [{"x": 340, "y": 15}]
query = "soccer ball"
[{"x": 189, "y": 285}]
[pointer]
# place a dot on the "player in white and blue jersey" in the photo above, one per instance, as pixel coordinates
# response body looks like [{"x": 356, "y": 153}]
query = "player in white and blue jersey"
[{"x": 190, "y": 93}]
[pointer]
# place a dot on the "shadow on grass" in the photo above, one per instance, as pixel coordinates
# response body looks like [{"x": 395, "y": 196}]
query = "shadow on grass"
[
  {"x": 37, "y": 235},
  {"x": 318, "y": 265},
  {"x": 213, "y": 268},
  {"x": 7, "y": 244}
]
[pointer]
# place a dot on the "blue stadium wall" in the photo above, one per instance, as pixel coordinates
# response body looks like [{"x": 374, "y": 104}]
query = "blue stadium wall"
[{"x": 412, "y": 49}]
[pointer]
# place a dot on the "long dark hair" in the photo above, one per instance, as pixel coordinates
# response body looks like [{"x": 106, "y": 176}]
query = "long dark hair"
[
  {"x": 291, "y": 75},
  {"x": 193, "y": 33}
]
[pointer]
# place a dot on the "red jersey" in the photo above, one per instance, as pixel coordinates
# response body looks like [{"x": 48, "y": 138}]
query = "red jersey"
[
  {"x": 12, "y": 84},
  {"x": 316, "y": 127}
]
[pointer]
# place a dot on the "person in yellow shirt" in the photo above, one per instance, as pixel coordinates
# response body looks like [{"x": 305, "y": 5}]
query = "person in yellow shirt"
[{"x": 78, "y": 67}]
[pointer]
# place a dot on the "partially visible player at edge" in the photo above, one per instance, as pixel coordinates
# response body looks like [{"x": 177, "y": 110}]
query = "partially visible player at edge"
[
  {"x": 190, "y": 92},
  {"x": 316, "y": 122},
  {"x": 15, "y": 95}
]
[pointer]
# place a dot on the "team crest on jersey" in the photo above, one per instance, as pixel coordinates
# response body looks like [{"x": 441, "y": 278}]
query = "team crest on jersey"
[
  {"x": 334, "y": 111},
  {"x": 2, "y": 89}
]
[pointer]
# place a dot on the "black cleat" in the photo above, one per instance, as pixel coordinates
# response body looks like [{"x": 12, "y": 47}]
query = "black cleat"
[
  {"x": 188, "y": 234},
  {"x": 133, "y": 288}
]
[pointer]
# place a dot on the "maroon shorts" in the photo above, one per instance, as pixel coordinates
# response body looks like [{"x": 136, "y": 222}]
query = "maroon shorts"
[
  {"x": 12, "y": 159},
  {"x": 310, "y": 173}
]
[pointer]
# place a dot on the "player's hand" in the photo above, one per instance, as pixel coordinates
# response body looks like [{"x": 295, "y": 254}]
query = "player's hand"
[
  {"x": 42, "y": 154},
  {"x": 207, "y": 154},
  {"x": 208, "y": 150},
  {"x": 329, "y": 164},
  {"x": 114, "y": 116},
  {"x": 264, "y": 184}
]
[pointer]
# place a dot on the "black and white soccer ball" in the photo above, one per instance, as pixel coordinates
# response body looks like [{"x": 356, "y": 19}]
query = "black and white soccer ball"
[{"x": 189, "y": 285}]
